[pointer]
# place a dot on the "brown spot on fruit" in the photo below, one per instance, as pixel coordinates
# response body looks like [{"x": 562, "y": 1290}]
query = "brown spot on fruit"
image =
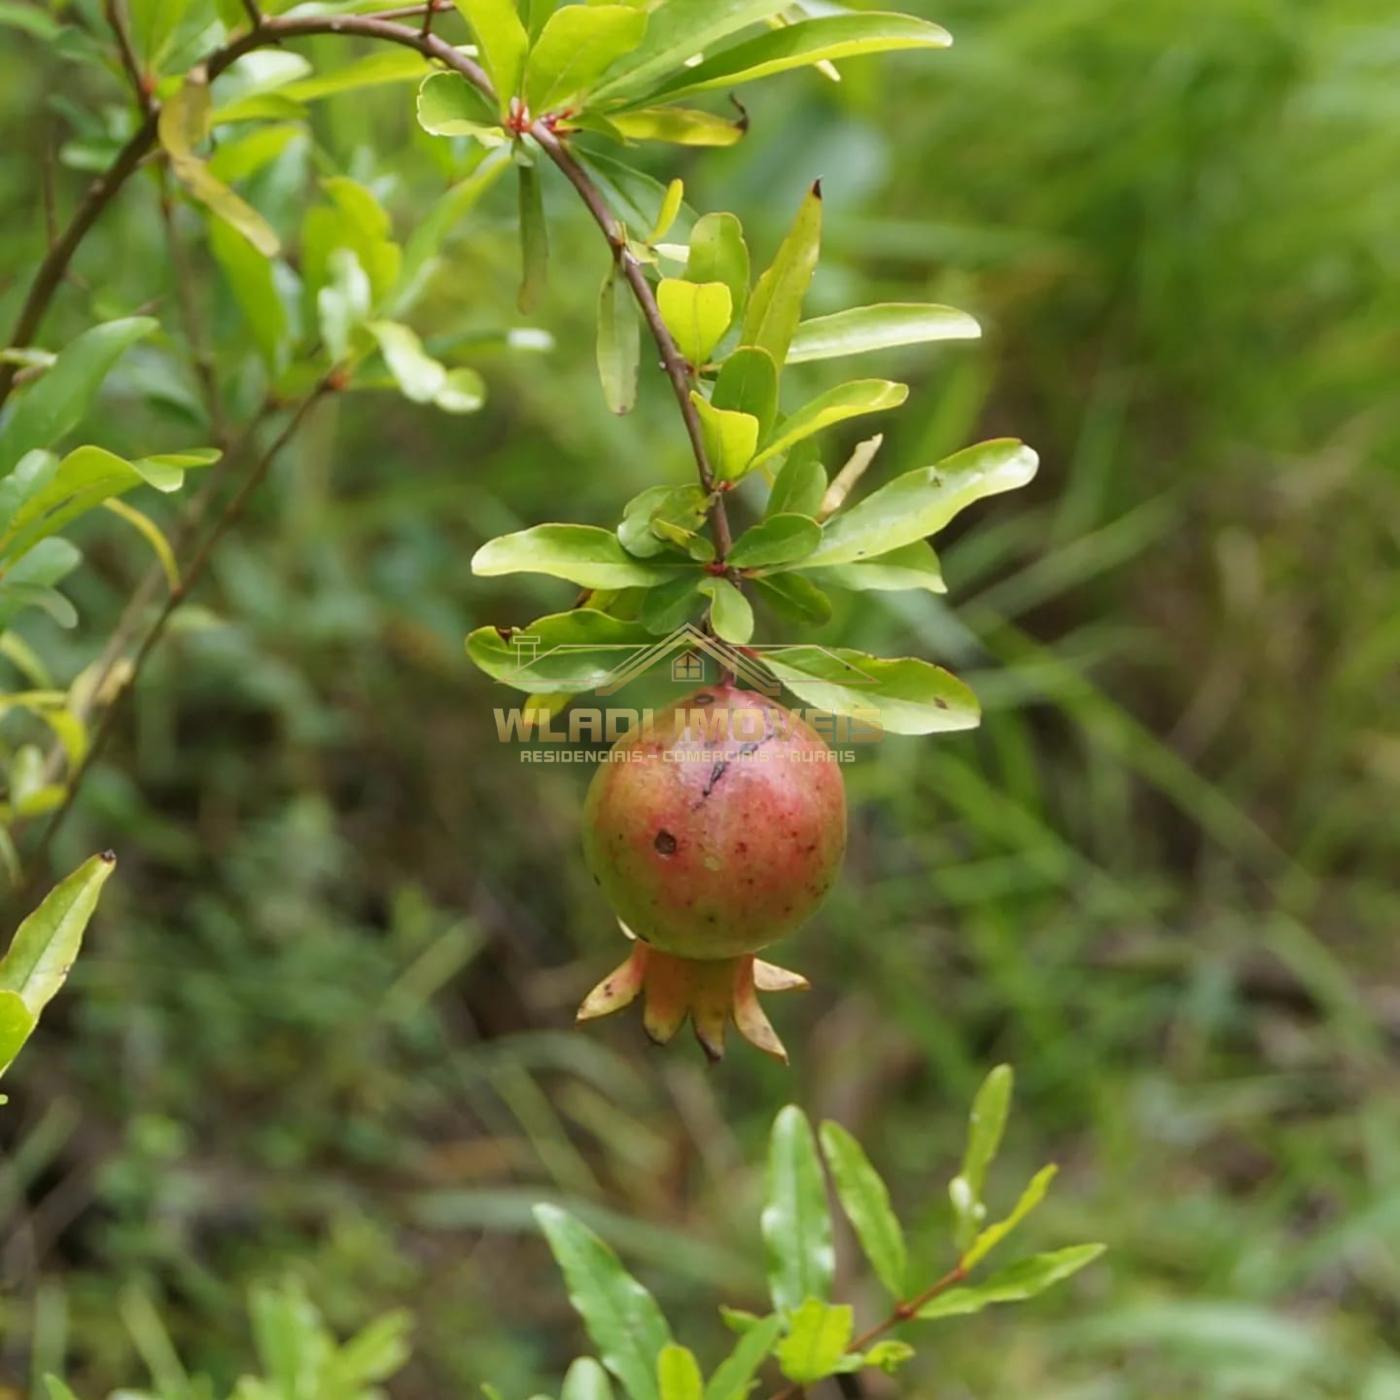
[{"x": 665, "y": 843}]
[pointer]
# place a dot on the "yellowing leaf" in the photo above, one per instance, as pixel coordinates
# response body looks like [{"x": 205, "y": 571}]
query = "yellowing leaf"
[{"x": 696, "y": 314}]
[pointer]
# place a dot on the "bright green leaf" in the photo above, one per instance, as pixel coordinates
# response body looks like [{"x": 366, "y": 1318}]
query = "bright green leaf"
[
  {"x": 502, "y": 41},
  {"x": 777, "y": 539},
  {"x": 57, "y": 1389},
  {"x": 670, "y": 207},
  {"x": 17, "y": 1024},
  {"x": 911, "y": 566},
  {"x": 683, "y": 506},
  {"x": 888, "y": 1355},
  {"x": 795, "y": 1222},
  {"x": 463, "y": 391},
  {"x": 902, "y": 696},
  {"x": 622, "y": 1318},
  {"x": 577, "y": 45},
  {"x": 582, "y": 554},
  {"x": 54, "y": 405},
  {"x": 696, "y": 314},
  {"x": 734, "y": 1376},
  {"x": 679, "y": 126},
  {"x": 923, "y": 501},
  {"x": 881, "y": 327},
  {"x": 866, "y": 1201},
  {"x": 815, "y": 1346},
  {"x": 418, "y": 375},
  {"x": 448, "y": 105},
  {"x": 799, "y": 45},
  {"x": 730, "y": 438},
  {"x": 851, "y": 400},
  {"x": 775, "y": 308},
  {"x": 986, "y": 1124},
  {"x": 152, "y": 534},
  {"x": 387, "y": 65},
  {"x": 718, "y": 253},
  {"x": 343, "y": 304},
  {"x": 678, "y": 1374},
  {"x": 586, "y": 1380},
  {"x": 47, "y": 942},
  {"x": 993, "y": 1235},
  {"x": 1014, "y": 1284},
  {"x": 730, "y": 613},
  {"x": 560, "y": 654}
]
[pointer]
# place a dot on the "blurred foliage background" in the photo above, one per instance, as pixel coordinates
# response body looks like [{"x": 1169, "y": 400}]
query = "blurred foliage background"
[{"x": 322, "y": 1026}]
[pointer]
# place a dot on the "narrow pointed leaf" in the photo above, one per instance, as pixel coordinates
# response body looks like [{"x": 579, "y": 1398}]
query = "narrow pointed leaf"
[
  {"x": 820, "y": 40},
  {"x": 621, "y": 1317},
  {"x": 866, "y": 1201},
  {"x": 666, "y": 215},
  {"x": 619, "y": 343},
  {"x": 777, "y": 539},
  {"x": 993, "y": 1235},
  {"x": 55, "y": 405},
  {"x": 534, "y": 239},
  {"x": 923, "y": 501},
  {"x": 799, "y": 486},
  {"x": 254, "y": 285},
  {"x": 734, "y": 1376},
  {"x": 678, "y": 126},
  {"x": 902, "y": 696},
  {"x": 775, "y": 308},
  {"x": 851, "y": 400},
  {"x": 883, "y": 327},
  {"x": 1014, "y": 1284},
  {"x": 796, "y": 1223}
]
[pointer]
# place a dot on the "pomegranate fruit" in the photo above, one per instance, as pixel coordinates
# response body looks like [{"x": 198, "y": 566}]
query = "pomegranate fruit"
[{"x": 713, "y": 831}]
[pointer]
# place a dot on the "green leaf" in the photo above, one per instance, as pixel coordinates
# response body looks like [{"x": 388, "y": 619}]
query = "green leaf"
[
  {"x": 678, "y": 1374},
  {"x": 678, "y": 30},
  {"x": 851, "y": 400},
  {"x": 448, "y": 105},
  {"x": 775, "y": 307},
  {"x": 882, "y": 327},
  {"x": 799, "y": 486},
  {"x": 888, "y": 1355},
  {"x": 923, "y": 501},
  {"x": 17, "y": 1024},
  {"x": 432, "y": 230},
  {"x": 28, "y": 582},
  {"x": 666, "y": 215},
  {"x": 910, "y": 566},
  {"x": 373, "y": 70},
  {"x": 586, "y": 1380},
  {"x": 730, "y": 613},
  {"x": 799, "y": 45},
  {"x": 57, "y": 1389},
  {"x": 815, "y": 1346},
  {"x": 795, "y": 1222},
  {"x": 363, "y": 226},
  {"x": 17, "y": 14},
  {"x": 993, "y": 1235},
  {"x": 794, "y": 598},
  {"x": 730, "y": 438},
  {"x": 622, "y": 1318},
  {"x": 902, "y": 696},
  {"x": 680, "y": 126},
  {"x": 577, "y": 45},
  {"x": 560, "y": 654},
  {"x": 153, "y": 25},
  {"x": 734, "y": 1376},
  {"x": 342, "y": 305},
  {"x": 502, "y": 41},
  {"x": 45, "y": 945},
  {"x": 152, "y": 534},
  {"x": 242, "y": 157},
  {"x": 777, "y": 539},
  {"x": 463, "y": 391},
  {"x": 582, "y": 554},
  {"x": 986, "y": 1124},
  {"x": 696, "y": 314},
  {"x": 1014, "y": 1284},
  {"x": 748, "y": 383},
  {"x": 718, "y": 253},
  {"x": 43, "y": 494},
  {"x": 183, "y": 124},
  {"x": 619, "y": 343},
  {"x": 57, "y": 402},
  {"x": 254, "y": 285},
  {"x": 684, "y": 506},
  {"x": 418, "y": 375},
  {"x": 534, "y": 239},
  {"x": 664, "y": 608},
  {"x": 866, "y": 1201}
]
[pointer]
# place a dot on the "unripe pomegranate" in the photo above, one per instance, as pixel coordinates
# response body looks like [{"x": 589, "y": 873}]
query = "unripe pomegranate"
[{"x": 713, "y": 831}]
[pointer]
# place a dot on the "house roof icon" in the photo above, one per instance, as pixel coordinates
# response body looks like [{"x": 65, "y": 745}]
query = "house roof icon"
[{"x": 689, "y": 638}]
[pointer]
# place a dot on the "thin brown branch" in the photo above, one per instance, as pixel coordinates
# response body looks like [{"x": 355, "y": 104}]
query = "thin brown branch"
[
  {"x": 140, "y": 83},
  {"x": 254, "y": 14}
]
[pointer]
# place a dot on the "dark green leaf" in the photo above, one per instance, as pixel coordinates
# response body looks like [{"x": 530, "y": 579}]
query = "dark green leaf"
[
  {"x": 796, "y": 1224},
  {"x": 622, "y": 1318},
  {"x": 254, "y": 286},
  {"x": 1019, "y": 1281},
  {"x": 866, "y": 1201},
  {"x": 664, "y": 608},
  {"x": 902, "y": 696},
  {"x": 794, "y": 598},
  {"x": 534, "y": 239},
  {"x": 923, "y": 501},
  {"x": 800, "y": 484},
  {"x": 777, "y": 539},
  {"x": 56, "y": 403}
]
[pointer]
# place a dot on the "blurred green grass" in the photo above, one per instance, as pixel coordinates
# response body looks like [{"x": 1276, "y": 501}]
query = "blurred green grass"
[{"x": 322, "y": 1026}]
